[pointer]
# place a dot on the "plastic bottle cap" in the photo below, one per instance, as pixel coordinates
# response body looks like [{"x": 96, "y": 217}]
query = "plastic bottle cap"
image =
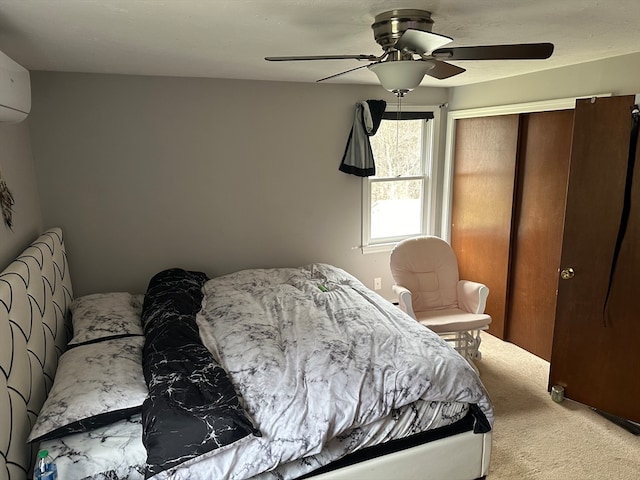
[{"x": 43, "y": 454}]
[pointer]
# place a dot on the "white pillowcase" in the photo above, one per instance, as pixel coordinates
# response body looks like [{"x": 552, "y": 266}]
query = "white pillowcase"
[
  {"x": 95, "y": 385},
  {"x": 102, "y": 316}
]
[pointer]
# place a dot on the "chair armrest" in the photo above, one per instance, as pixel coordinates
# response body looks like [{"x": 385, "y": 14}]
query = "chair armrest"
[
  {"x": 404, "y": 299},
  {"x": 472, "y": 296}
]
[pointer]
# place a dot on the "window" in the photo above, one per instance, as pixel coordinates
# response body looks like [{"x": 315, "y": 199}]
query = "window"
[{"x": 397, "y": 200}]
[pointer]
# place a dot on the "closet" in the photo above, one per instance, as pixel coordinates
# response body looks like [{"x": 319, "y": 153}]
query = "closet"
[
  {"x": 509, "y": 187},
  {"x": 546, "y": 212}
]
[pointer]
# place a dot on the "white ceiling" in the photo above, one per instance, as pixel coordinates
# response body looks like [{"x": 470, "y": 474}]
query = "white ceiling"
[{"x": 230, "y": 38}]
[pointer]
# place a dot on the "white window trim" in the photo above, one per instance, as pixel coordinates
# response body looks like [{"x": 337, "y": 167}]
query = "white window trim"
[
  {"x": 452, "y": 116},
  {"x": 431, "y": 170}
]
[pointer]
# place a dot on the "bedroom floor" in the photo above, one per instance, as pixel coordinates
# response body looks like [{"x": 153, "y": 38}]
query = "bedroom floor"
[{"x": 538, "y": 439}]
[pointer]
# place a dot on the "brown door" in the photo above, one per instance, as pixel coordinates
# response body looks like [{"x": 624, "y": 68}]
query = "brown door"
[
  {"x": 543, "y": 169},
  {"x": 483, "y": 188},
  {"x": 595, "y": 354}
]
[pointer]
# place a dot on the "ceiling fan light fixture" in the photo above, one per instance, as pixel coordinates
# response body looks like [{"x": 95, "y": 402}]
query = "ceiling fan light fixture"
[{"x": 400, "y": 77}]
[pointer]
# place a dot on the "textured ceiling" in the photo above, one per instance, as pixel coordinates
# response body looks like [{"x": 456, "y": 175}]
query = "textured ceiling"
[{"x": 230, "y": 38}]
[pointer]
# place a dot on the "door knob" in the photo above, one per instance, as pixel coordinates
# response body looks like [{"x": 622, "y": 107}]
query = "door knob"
[{"x": 567, "y": 273}]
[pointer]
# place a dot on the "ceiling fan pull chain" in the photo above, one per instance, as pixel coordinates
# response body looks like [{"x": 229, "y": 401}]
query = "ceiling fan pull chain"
[{"x": 398, "y": 117}]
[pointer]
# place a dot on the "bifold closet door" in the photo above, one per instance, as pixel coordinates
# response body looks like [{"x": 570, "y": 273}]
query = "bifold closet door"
[
  {"x": 595, "y": 344},
  {"x": 541, "y": 186},
  {"x": 482, "y": 207}
]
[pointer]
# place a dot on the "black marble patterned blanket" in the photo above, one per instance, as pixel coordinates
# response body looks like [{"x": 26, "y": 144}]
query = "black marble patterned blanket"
[{"x": 192, "y": 406}]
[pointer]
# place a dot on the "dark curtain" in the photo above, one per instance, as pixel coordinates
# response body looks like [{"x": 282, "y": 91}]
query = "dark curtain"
[{"x": 407, "y": 116}]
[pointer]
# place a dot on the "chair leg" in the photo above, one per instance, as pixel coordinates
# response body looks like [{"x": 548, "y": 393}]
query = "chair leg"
[
  {"x": 477, "y": 355},
  {"x": 464, "y": 343},
  {"x": 467, "y": 344}
]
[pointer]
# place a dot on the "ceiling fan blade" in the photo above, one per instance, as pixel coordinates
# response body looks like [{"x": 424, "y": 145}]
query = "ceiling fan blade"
[
  {"x": 371, "y": 58},
  {"x": 420, "y": 41},
  {"x": 342, "y": 73},
  {"x": 520, "y": 51},
  {"x": 443, "y": 70}
]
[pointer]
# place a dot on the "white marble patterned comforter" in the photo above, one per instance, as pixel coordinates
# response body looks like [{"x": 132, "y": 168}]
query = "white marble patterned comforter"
[{"x": 316, "y": 355}]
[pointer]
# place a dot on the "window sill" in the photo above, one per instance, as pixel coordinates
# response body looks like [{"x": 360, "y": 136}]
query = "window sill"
[{"x": 378, "y": 248}]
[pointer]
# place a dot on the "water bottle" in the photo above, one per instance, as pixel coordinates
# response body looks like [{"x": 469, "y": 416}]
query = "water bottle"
[{"x": 45, "y": 468}]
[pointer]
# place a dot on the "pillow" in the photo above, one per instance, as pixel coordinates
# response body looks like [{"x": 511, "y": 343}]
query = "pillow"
[
  {"x": 102, "y": 316},
  {"x": 95, "y": 385}
]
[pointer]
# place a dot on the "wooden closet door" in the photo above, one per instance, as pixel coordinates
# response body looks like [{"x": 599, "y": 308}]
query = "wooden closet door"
[
  {"x": 483, "y": 192},
  {"x": 595, "y": 357},
  {"x": 543, "y": 169}
]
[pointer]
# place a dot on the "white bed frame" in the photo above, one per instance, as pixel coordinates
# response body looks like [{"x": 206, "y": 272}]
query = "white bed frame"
[
  {"x": 460, "y": 457},
  {"x": 35, "y": 295}
]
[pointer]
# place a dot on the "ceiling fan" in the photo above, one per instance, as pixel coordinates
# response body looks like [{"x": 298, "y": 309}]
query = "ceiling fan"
[{"x": 411, "y": 51}]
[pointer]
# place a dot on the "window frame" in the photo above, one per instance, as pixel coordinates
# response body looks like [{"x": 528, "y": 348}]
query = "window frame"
[{"x": 431, "y": 161}]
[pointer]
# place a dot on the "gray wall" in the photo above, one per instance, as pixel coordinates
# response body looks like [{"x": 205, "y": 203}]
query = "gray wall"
[
  {"x": 617, "y": 75},
  {"x": 16, "y": 165},
  {"x": 146, "y": 173}
]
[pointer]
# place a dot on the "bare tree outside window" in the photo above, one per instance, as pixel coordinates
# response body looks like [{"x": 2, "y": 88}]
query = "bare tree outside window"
[{"x": 397, "y": 189}]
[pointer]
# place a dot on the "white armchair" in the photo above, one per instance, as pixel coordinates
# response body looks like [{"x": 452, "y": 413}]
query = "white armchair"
[{"x": 425, "y": 270}]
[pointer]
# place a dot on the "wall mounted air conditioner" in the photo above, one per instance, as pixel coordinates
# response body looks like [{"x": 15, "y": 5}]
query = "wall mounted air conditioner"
[{"x": 15, "y": 91}]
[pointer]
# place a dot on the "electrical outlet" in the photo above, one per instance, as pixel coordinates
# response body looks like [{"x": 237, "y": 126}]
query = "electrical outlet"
[{"x": 377, "y": 283}]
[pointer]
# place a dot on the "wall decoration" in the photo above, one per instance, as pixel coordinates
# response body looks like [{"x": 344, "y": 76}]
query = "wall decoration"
[{"x": 6, "y": 203}]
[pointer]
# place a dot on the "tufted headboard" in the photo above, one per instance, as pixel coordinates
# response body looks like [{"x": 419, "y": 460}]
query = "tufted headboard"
[{"x": 35, "y": 295}]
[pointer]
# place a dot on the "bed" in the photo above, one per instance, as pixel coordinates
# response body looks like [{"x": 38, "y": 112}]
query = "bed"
[{"x": 247, "y": 375}]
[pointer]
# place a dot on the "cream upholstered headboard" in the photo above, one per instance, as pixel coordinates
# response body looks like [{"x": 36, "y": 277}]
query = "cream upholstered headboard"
[{"x": 35, "y": 295}]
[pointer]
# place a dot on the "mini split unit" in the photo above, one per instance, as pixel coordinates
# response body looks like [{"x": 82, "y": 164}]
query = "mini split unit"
[{"x": 15, "y": 91}]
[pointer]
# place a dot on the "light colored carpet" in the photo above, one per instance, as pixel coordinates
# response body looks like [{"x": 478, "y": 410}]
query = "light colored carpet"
[{"x": 538, "y": 439}]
